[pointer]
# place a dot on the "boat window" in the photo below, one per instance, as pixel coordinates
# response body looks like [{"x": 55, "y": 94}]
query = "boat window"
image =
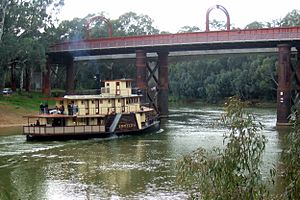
[
  {"x": 128, "y": 84},
  {"x": 92, "y": 102},
  {"x": 82, "y": 102},
  {"x": 101, "y": 101},
  {"x": 108, "y": 100},
  {"x": 107, "y": 84},
  {"x": 118, "y": 83},
  {"x": 119, "y": 100}
]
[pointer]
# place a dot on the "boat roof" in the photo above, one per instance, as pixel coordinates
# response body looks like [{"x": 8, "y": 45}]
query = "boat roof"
[
  {"x": 49, "y": 116},
  {"x": 99, "y": 96},
  {"x": 119, "y": 80}
]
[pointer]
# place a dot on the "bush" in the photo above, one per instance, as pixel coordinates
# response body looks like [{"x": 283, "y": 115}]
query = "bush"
[{"x": 234, "y": 171}]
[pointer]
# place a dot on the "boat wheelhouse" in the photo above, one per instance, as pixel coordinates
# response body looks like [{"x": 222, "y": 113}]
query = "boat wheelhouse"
[{"x": 117, "y": 110}]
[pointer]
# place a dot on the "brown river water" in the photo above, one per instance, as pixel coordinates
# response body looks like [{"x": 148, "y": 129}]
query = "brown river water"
[{"x": 131, "y": 167}]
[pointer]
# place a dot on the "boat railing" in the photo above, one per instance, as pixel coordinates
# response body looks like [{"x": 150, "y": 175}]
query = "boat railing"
[
  {"x": 63, "y": 130},
  {"x": 108, "y": 110}
]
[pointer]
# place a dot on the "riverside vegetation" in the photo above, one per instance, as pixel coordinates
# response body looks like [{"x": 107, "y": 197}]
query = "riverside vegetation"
[{"x": 234, "y": 172}]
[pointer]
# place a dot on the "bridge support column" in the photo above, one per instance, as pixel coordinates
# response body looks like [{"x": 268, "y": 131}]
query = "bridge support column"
[
  {"x": 70, "y": 75},
  {"x": 141, "y": 69},
  {"x": 163, "y": 84},
  {"x": 284, "y": 85},
  {"x": 46, "y": 86}
]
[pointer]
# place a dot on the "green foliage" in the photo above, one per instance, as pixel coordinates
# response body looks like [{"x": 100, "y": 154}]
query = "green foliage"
[
  {"x": 132, "y": 24},
  {"x": 233, "y": 172},
  {"x": 217, "y": 25},
  {"x": 291, "y": 156},
  {"x": 216, "y": 77},
  {"x": 255, "y": 25},
  {"x": 21, "y": 39},
  {"x": 187, "y": 29},
  {"x": 292, "y": 18},
  {"x": 26, "y": 100}
]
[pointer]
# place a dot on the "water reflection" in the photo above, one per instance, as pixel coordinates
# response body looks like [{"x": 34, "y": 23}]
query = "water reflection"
[{"x": 140, "y": 167}]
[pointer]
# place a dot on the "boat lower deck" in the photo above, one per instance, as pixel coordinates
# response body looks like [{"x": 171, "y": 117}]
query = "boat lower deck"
[{"x": 79, "y": 132}]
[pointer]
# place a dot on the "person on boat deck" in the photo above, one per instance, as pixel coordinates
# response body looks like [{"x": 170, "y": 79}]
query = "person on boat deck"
[
  {"x": 75, "y": 109},
  {"x": 37, "y": 122},
  {"x": 41, "y": 108},
  {"x": 46, "y": 108},
  {"x": 70, "y": 109},
  {"x": 61, "y": 109}
]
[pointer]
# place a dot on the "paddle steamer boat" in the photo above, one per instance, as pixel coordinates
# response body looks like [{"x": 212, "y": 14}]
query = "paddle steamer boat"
[{"x": 115, "y": 111}]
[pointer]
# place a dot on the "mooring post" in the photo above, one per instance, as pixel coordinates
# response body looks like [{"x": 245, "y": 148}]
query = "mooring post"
[
  {"x": 163, "y": 80},
  {"x": 69, "y": 62},
  {"x": 46, "y": 88},
  {"x": 141, "y": 69},
  {"x": 284, "y": 85}
]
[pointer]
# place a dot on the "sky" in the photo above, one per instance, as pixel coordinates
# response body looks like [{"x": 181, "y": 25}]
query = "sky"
[{"x": 171, "y": 15}]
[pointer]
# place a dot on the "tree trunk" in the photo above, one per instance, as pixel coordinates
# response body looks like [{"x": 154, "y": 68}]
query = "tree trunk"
[
  {"x": 21, "y": 79},
  {"x": 12, "y": 77},
  {"x": 28, "y": 75},
  {"x": 2, "y": 79},
  {"x": 3, "y": 7}
]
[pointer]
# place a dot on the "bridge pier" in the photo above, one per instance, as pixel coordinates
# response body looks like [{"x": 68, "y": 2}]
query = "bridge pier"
[
  {"x": 284, "y": 85},
  {"x": 46, "y": 88},
  {"x": 146, "y": 76},
  {"x": 141, "y": 68},
  {"x": 163, "y": 84},
  {"x": 70, "y": 85}
]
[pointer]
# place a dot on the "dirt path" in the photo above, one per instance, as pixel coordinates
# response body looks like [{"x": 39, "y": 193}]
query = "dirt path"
[{"x": 12, "y": 116}]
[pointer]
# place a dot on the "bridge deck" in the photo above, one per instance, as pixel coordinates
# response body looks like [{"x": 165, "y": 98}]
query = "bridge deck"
[{"x": 234, "y": 39}]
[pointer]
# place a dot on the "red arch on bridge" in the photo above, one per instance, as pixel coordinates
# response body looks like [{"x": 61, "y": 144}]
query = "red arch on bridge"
[
  {"x": 107, "y": 21},
  {"x": 221, "y": 8}
]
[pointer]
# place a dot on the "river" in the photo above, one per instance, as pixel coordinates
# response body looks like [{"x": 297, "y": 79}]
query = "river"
[{"x": 131, "y": 167}]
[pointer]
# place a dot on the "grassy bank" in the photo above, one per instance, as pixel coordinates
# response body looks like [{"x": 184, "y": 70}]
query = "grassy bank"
[{"x": 14, "y": 107}]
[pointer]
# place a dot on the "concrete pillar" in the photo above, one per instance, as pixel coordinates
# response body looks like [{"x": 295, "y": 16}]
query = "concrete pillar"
[
  {"x": 46, "y": 86},
  {"x": 163, "y": 86},
  {"x": 284, "y": 85},
  {"x": 70, "y": 75},
  {"x": 141, "y": 72}
]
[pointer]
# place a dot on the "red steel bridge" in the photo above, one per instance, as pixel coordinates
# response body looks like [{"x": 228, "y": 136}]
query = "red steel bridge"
[{"x": 282, "y": 39}]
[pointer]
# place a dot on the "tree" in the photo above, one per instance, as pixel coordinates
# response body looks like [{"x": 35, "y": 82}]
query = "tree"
[
  {"x": 3, "y": 8},
  {"x": 22, "y": 25},
  {"x": 217, "y": 25},
  {"x": 255, "y": 25},
  {"x": 292, "y": 18},
  {"x": 132, "y": 24},
  {"x": 187, "y": 29}
]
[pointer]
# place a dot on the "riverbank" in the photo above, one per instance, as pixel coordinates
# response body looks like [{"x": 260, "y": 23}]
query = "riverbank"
[
  {"x": 11, "y": 116},
  {"x": 13, "y": 107}
]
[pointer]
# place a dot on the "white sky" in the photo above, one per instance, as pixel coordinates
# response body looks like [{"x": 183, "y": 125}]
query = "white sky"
[{"x": 171, "y": 15}]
